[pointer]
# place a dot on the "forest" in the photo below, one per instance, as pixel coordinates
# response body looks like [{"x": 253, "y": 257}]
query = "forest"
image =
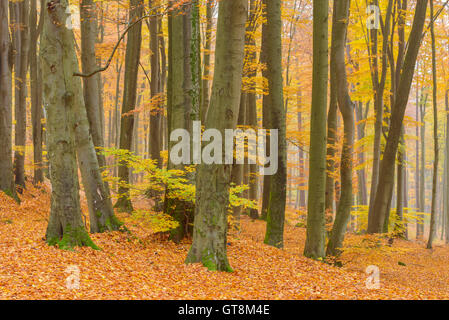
[{"x": 224, "y": 149}]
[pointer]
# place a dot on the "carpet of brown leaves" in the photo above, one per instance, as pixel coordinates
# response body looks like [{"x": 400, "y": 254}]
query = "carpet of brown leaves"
[{"x": 140, "y": 266}]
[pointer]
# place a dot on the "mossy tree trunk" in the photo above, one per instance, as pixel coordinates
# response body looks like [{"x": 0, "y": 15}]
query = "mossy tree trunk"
[
  {"x": 213, "y": 181},
  {"x": 315, "y": 240},
  {"x": 132, "y": 60},
  {"x": 185, "y": 98},
  {"x": 7, "y": 184},
  {"x": 274, "y": 235},
  {"x": 65, "y": 226}
]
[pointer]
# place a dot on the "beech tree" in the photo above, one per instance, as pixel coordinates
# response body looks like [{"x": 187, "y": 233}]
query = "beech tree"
[
  {"x": 315, "y": 240},
  {"x": 132, "y": 61},
  {"x": 274, "y": 235},
  {"x": 213, "y": 181},
  {"x": 7, "y": 184},
  {"x": 386, "y": 177},
  {"x": 62, "y": 99}
]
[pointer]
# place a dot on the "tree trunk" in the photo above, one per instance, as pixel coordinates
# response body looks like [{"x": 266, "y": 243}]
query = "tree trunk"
[
  {"x": 210, "y": 5},
  {"x": 20, "y": 11},
  {"x": 6, "y": 168},
  {"x": 213, "y": 181},
  {"x": 433, "y": 210},
  {"x": 65, "y": 226},
  {"x": 422, "y": 172},
  {"x": 339, "y": 33},
  {"x": 386, "y": 176},
  {"x": 156, "y": 111},
  {"x": 446, "y": 213},
  {"x": 129, "y": 100},
  {"x": 36, "y": 92},
  {"x": 315, "y": 241},
  {"x": 274, "y": 235}
]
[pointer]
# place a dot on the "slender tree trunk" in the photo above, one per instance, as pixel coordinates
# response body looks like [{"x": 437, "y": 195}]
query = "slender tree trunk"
[
  {"x": 315, "y": 241},
  {"x": 35, "y": 90},
  {"x": 339, "y": 33},
  {"x": 274, "y": 235},
  {"x": 213, "y": 181},
  {"x": 65, "y": 226},
  {"x": 129, "y": 99},
  {"x": 7, "y": 184},
  {"x": 361, "y": 175},
  {"x": 22, "y": 42},
  {"x": 379, "y": 87},
  {"x": 155, "y": 88},
  {"x": 210, "y": 5},
  {"x": 447, "y": 168},
  {"x": 386, "y": 176},
  {"x": 331, "y": 144},
  {"x": 422, "y": 172},
  {"x": 433, "y": 210}
]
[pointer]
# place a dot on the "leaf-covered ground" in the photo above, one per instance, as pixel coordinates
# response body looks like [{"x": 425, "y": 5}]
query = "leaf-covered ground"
[{"x": 142, "y": 266}]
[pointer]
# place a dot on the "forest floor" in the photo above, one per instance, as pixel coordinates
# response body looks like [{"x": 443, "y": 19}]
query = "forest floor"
[{"x": 142, "y": 266}]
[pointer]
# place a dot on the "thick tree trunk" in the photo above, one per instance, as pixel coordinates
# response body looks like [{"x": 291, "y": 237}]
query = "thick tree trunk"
[
  {"x": 6, "y": 168},
  {"x": 129, "y": 99},
  {"x": 339, "y": 33},
  {"x": 213, "y": 181},
  {"x": 62, "y": 92},
  {"x": 315, "y": 241},
  {"x": 386, "y": 176}
]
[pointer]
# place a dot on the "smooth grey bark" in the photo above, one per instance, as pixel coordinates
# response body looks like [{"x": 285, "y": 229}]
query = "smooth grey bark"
[
  {"x": 7, "y": 184},
  {"x": 315, "y": 240},
  {"x": 213, "y": 181},
  {"x": 65, "y": 226},
  {"x": 132, "y": 60},
  {"x": 274, "y": 235}
]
